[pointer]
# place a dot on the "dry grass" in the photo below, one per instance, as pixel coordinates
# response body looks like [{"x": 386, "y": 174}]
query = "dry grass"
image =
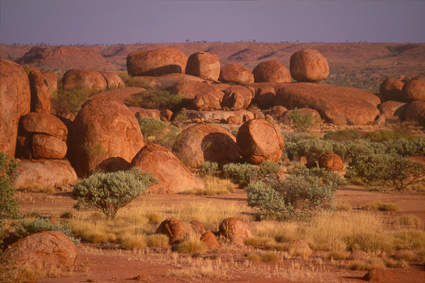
[
  {"x": 364, "y": 265},
  {"x": 408, "y": 220},
  {"x": 270, "y": 257},
  {"x": 343, "y": 207},
  {"x": 376, "y": 205},
  {"x": 300, "y": 250},
  {"x": 191, "y": 245},
  {"x": 253, "y": 257},
  {"x": 394, "y": 263},
  {"x": 213, "y": 186},
  {"x": 157, "y": 240},
  {"x": 133, "y": 242},
  {"x": 37, "y": 189}
]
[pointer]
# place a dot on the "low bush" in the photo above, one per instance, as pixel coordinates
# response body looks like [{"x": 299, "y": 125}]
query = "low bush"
[
  {"x": 379, "y": 206},
  {"x": 157, "y": 240},
  {"x": 409, "y": 220},
  {"x": 8, "y": 204},
  {"x": 333, "y": 179},
  {"x": 385, "y": 135},
  {"x": 341, "y": 135},
  {"x": 253, "y": 257},
  {"x": 270, "y": 257},
  {"x": 136, "y": 82},
  {"x": 155, "y": 99},
  {"x": 365, "y": 265},
  {"x": 242, "y": 174},
  {"x": 268, "y": 168},
  {"x": 312, "y": 149},
  {"x": 151, "y": 127},
  {"x": 191, "y": 245},
  {"x": 302, "y": 122},
  {"x": 133, "y": 242},
  {"x": 108, "y": 192},
  {"x": 209, "y": 168}
]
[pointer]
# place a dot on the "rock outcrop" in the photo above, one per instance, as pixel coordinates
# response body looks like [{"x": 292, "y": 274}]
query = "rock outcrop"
[
  {"x": 236, "y": 230},
  {"x": 308, "y": 65},
  {"x": 237, "y": 97},
  {"x": 391, "y": 89},
  {"x": 82, "y": 78},
  {"x": 190, "y": 90},
  {"x": 414, "y": 90},
  {"x": 258, "y": 140},
  {"x": 335, "y": 104},
  {"x": 331, "y": 161},
  {"x": 104, "y": 128},
  {"x": 175, "y": 229},
  {"x": 415, "y": 111},
  {"x": 156, "y": 62},
  {"x": 206, "y": 142},
  {"x": 15, "y": 97},
  {"x": 272, "y": 71},
  {"x": 40, "y": 92},
  {"x": 393, "y": 108},
  {"x": 203, "y": 64},
  {"x": 217, "y": 115},
  {"x": 235, "y": 73},
  {"x": 172, "y": 175}
]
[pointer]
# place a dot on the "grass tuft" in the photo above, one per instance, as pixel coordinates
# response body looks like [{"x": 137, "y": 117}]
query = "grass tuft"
[
  {"x": 366, "y": 265},
  {"x": 191, "y": 245},
  {"x": 270, "y": 257}
]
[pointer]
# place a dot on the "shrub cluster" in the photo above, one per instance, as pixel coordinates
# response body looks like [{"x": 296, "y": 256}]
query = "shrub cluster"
[
  {"x": 155, "y": 99},
  {"x": 302, "y": 122},
  {"x": 241, "y": 174},
  {"x": 209, "y": 168}
]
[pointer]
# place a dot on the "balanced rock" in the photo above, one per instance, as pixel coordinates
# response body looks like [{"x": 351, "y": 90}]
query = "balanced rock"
[
  {"x": 48, "y": 147},
  {"x": 82, "y": 78},
  {"x": 15, "y": 97},
  {"x": 45, "y": 250},
  {"x": 258, "y": 140},
  {"x": 391, "y": 89},
  {"x": 414, "y": 90},
  {"x": 175, "y": 229},
  {"x": 236, "y": 230},
  {"x": 336, "y": 104},
  {"x": 393, "y": 108},
  {"x": 40, "y": 92},
  {"x": 44, "y": 173},
  {"x": 309, "y": 66},
  {"x": 36, "y": 123},
  {"x": 206, "y": 142},
  {"x": 331, "y": 162},
  {"x": 237, "y": 97},
  {"x": 156, "y": 62},
  {"x": 272, "y": 71},
  {"x": 172, "y": 175},
  {"x": 104, "y": 128},
  {"x": 203, "y": 64},
  {"x": 235, "y": 73}
]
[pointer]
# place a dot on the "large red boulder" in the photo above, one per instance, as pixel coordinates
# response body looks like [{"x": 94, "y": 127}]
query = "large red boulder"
[
  {"x": 104, "y": 128},
  {"x": 206, "y": 101},
  {"x": 40, "y": 92},
  {"x": 391, "y": 89},
  {"x": 272, "y": 71},
  {"x": 44, "y": 124},
  {"x": 44, "y": 173},
  {"x": 414, "y": 90},
  {"x": 172, "y": 175},
  {"x": 112, "y": 80},
  {"x": 45, "y": 250},
  {"x": 206, "y": 142},
  {"x": 52, "y": 80},
  {"x": 190, "y": 90},
  {"x": 336, "y": 104},
  {"x": 393, "y": 108},
  {"x": 48, "y": 147},
  {"x": 235, "y": 73},
  {"x": 82, "y": 78},
  {"x": 203, "y": 64},
  {"x": 415, "y": 111},
  {"x": 156, "y": 62},
  {"x": 309, "y": 65},
  {"x": 258, "y": 140},
  {"x": 237, "y": 97},
  {"x": 15, "y": 101},
  {"x": 236, "y": 230}
]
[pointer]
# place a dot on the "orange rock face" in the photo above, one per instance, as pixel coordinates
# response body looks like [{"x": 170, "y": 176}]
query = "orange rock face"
[
  {"x": 209, "y": 96},
  {"x": 48, "y": 147},
  {"x": 203, "y": 64},
  {"x": 258, "y": 140},
  {"x": 210, "y": 240},
  {"x": 415, "y": 111},
  {"x": 236, "y": 230},
  {"x": 156, "y": 62},
  {"x": 393, "y": 108},
  {"x": 390, "y": 89},
  {"x": 175, "y": 229},
  {"x": 112, "y": 80},
  {"x": 173, "y": 176},
  {"x": 309, "y": 66},
  {"x": 46, "y": 250},
  {"x": 40, "y": 92},
  {"x": 89, "y": 79},
  {"x": 414, "y": 90},
  {"x": 335, "y": 104},
  {"x": 206, "y": 101},
  {"x": 316, "y": 116},
  {"x": 272, "y": 71},
  {"x": 206, "y": 142},
  {"x": 104, "y": 128},
  {"x": 235, "y": 73},
  {"x": 52, "y": 80},
  {"x": 331, "y": 162},
  {"x": 15, "y": 99},
  {"x": 237, "y": 97}
]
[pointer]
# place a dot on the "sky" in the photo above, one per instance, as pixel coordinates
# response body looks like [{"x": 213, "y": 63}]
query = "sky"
[{"x": 58, "y": 22}]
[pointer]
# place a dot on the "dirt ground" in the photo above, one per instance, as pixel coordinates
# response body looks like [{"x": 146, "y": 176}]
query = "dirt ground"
[{"x": 228, "y": 263}]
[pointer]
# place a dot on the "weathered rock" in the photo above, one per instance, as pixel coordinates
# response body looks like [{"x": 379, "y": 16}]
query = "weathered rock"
[
  {"x": 258, "y": 140},
  {"x": 203, "y": 64},
  {"x": 52, "y": 80},
  {"x": 172, "y": 175},
  {"x": 305, "y": 111},
  {"x": 309, "y": 66},
  {"x": 167, "y": 114},
  {"x": 82, "y": 78},
  {"x": 36, "y": 123},
  {"x": 48, "y": 147},
  {"x": 278, "y": 111},
  {"x": 103, "y": 128},
  {"x": 40, "y": 92},
  {"x": 15, "y": 97},
  {"x": 44, "y": 173},
  {"x": 175, "y": 229},
  {"x": 206, "y": 101},
  {"x": 210, "y": 240},
  {"x": 142, "y": 113},
  {"x": 45, "y": 250},
  {"x": 112, "y": 80},
  {"x": 233, "y": 120},
  {"x": 206, "y": 142},
  {"x": 414, "y": 90},
  {"x": 122, "y": 94},
  {"x": 335, "y": 104},
  {"x": 331, "y": 162},
  {"x": 380, "y": 121},
  {"x": 265, "y": 96},
  {"x": 272, "y": 71},
  {"x": 391, "y": 89},
  {"x": 189, "y": 90},
  {"x": 243, "y": 115},
  {"x": 393, "y": 108},
  {"x": 168, "y": 81},
  {"x": 198, "y": 227},
  {"x": 415, "y": 111},
  {"x": 156, "y": 62},
  {"x": 359, "y": 255},
  {"x": 378, "y": 275},
  {"x": 237, "y": 97},
  {"x": 220, "y": 86},
  {"x": 235, "y": 73},
  {"x": 236, "y": 230}
]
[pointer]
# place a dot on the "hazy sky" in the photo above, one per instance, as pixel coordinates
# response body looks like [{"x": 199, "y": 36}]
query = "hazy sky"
[{"x": 133, "y": 21}]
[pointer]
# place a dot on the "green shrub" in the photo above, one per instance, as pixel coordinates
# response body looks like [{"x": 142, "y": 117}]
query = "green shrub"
[
  {"x": 180, "y": 118},
  {"x": 296, "y": 197},
  {"x": 312, "y": 149},
  {"x": 333, "y": 179},
  {"x": 268, "y": 168},
  {"x": 108, "y": 192},
  {"x": 369, "y": 168},
  {"x": 241, "y": 174},
  {"x": 155, "y": 99},
  {"x": 209, "y": 168},
  {"x": 302, "y": 122},
  {"x": 151, "y": 127},
  {"x": 385, "y": 135},
  {"x": 341, "y": 135},
  {"x": 26, "y": 228},
  {"x": 137, "y": 82}
]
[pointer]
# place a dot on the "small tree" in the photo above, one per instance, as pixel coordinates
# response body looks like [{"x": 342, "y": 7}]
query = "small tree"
[
  {"x": 302, "y": 122},
  {"x": 108, "y": 192},
  {"x": 151, "y": 127}
]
